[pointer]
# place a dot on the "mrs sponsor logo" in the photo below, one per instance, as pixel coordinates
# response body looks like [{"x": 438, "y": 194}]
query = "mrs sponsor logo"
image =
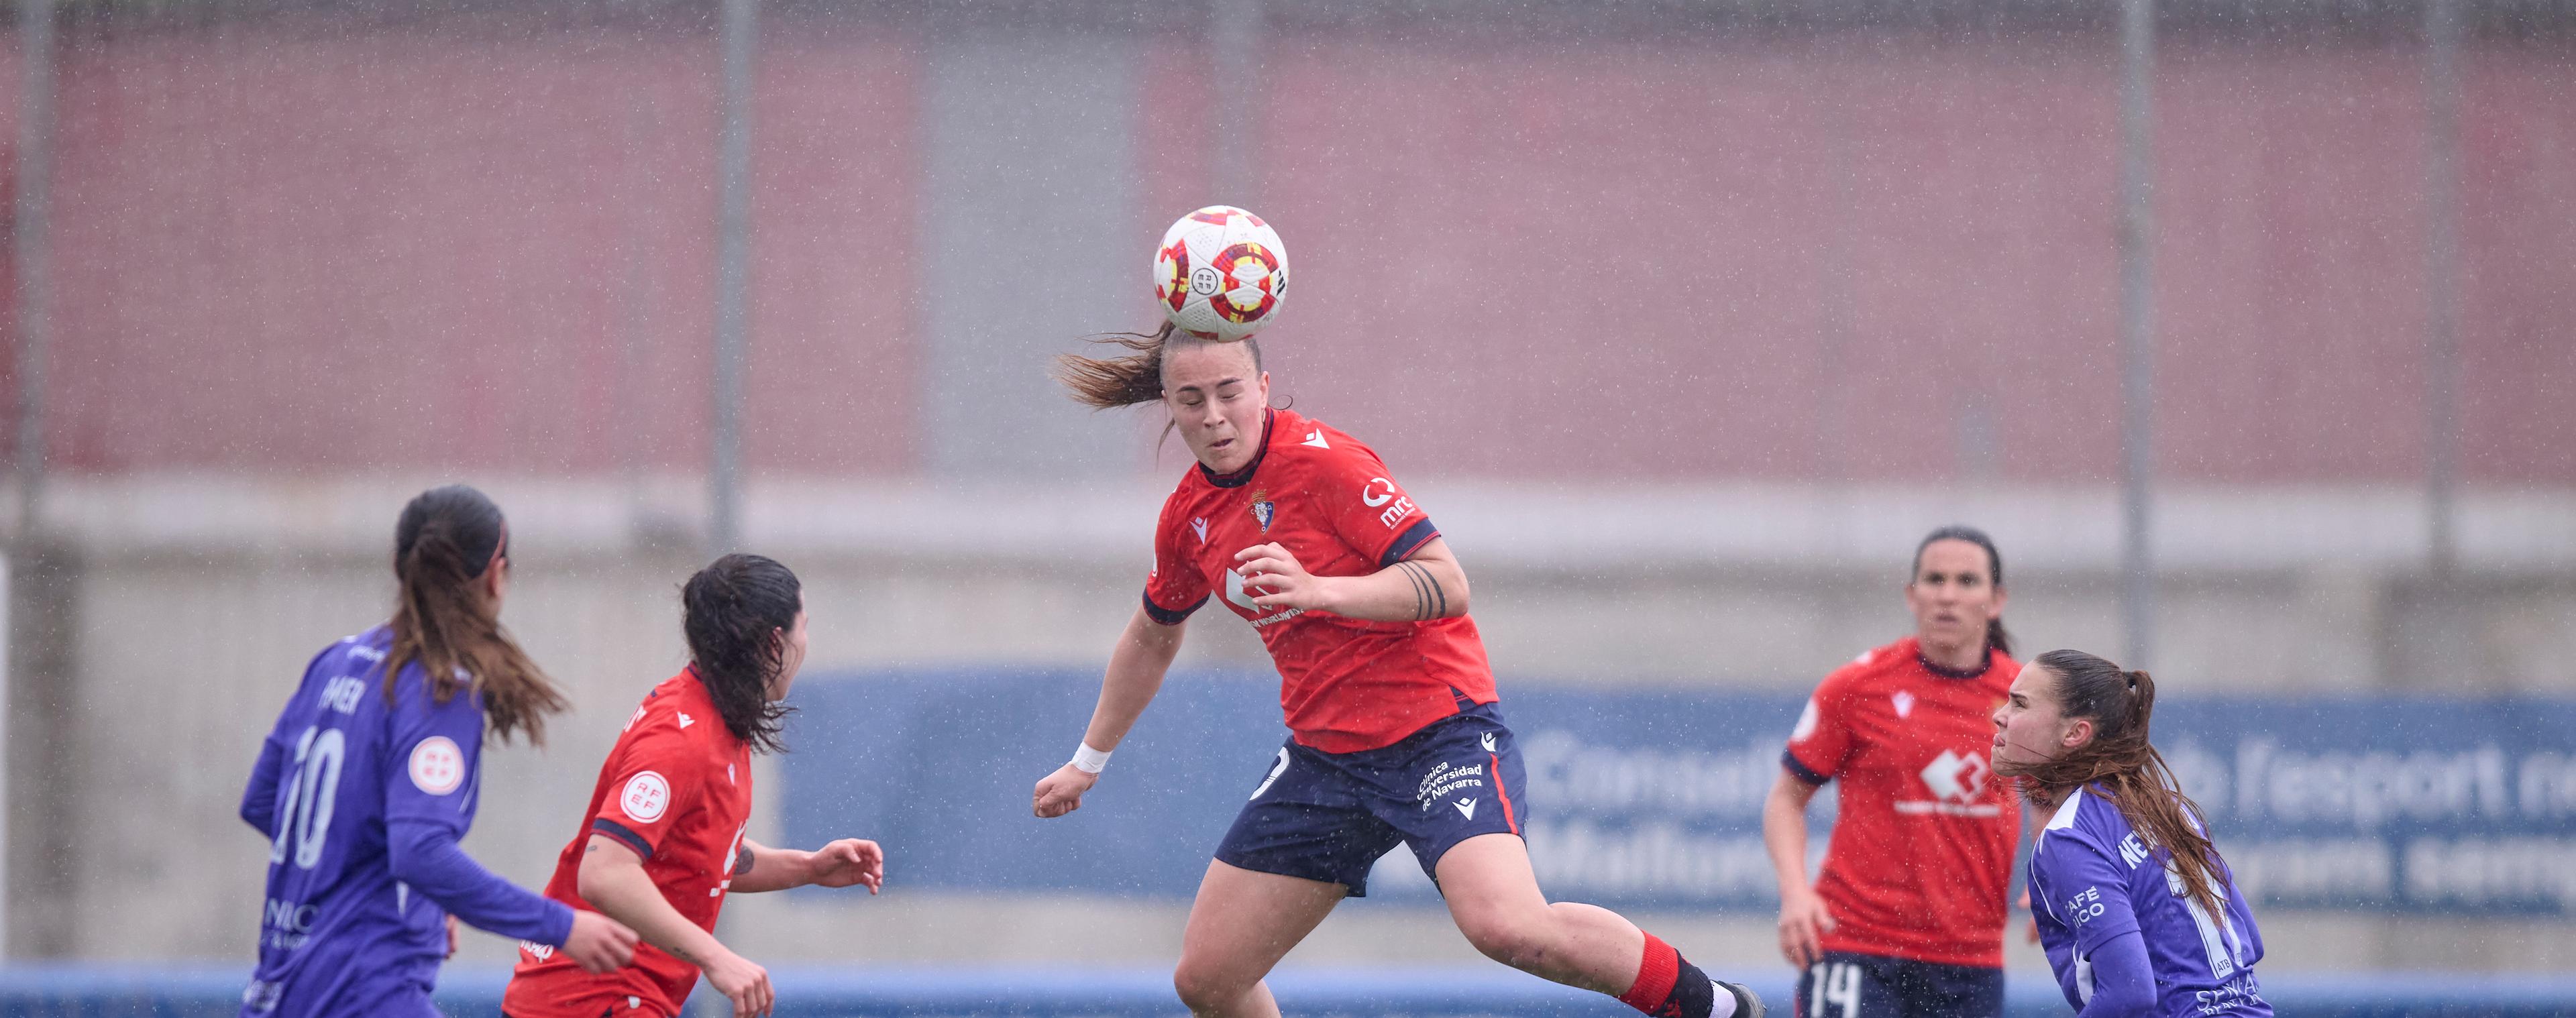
[{"x": 1378, "y": 492}]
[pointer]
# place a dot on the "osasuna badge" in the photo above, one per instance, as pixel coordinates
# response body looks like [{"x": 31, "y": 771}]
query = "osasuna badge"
[{"x": 1263, "y": 509}]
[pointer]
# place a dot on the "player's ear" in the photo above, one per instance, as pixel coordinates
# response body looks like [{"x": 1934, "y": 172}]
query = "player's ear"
[{"x": 2078, "y": 732}]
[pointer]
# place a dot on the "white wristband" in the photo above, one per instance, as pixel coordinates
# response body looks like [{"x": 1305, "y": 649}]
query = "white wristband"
[{"x": 1089, "y": 760}]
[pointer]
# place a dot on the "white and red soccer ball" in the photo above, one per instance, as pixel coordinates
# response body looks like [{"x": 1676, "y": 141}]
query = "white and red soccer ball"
[{"x": 1221, "y": 273}]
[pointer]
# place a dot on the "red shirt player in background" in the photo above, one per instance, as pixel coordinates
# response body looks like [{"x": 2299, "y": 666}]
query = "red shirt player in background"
[
  {"x": 1396, "y": 734},
  {"x": 663, "y": 841},
  {"x": 1907, "y": 919}
]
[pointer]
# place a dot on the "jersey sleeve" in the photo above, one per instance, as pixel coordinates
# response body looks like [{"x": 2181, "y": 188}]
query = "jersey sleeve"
[
  {"x": 434, "y": 748},
  {"x": 2081, "y": 885},
  {"x": 659, "y": 779},
  {"x": 259, "y": 799},
  {"x": 1821, "y": 742},
  {"x": 430, "y": 786},
  {"x": 1368, "y": 510},
  {"x": 1175, "y": 587}
]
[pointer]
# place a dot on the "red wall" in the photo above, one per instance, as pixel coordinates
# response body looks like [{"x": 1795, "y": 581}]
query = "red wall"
[{"x": 298, "y": 248}]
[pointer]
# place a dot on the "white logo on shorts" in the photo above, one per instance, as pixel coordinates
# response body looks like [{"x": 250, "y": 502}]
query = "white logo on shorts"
[
  {"x": 646, "y": 796},
  {"x": 437, "y": 766},
  {"x": 1275, "y": 771},
  {"x": 1466, "y": 808},
  {"x": 1489, "y": 742}
]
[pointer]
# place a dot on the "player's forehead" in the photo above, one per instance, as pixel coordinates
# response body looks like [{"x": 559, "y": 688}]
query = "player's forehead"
[
  {"x": 2034, "y": 682},
  {"x": 1204, "y": 366},
  {"x": 1952, "y": 556}
]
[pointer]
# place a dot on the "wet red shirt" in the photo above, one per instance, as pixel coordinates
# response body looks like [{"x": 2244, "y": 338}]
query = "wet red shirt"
[
  {"x": 1922, "y": 852},
  {"x": 1345, "y": 684},
  {"x": 677, "y": 790}
]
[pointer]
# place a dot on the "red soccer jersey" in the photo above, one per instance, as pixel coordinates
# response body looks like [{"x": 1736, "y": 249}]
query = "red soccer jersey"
[
  {"x": 677, "y": 790},
  {"x": 1346, "y": 684},
  {"x": 1922, "y": 851}
]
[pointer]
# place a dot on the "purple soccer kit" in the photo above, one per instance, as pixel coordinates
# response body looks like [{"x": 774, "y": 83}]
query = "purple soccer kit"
[
  {"x": 363, "y": 802},
  {"x": 2121, "y": 935}
]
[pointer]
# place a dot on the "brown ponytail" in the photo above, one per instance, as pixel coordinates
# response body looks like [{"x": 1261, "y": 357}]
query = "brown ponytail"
[
  {"x": 2121, "y": 766},
  {"x": 445, "y": 540},
  {"x": 1107, "y": 383}
]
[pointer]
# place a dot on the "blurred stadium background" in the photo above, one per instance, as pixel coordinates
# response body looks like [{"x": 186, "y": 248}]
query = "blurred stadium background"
[{"x": 1684, "y": 319}]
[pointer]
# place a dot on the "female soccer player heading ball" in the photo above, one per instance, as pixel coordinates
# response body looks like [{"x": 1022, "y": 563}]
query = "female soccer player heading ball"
[
  {"x": 372, "y": 774},
  {"x": 1396, "y": 736},
  {"x": 663, "y": 841},
  {"x": 1907, "y": 918},
  {"x": 2139, "y": 914}
]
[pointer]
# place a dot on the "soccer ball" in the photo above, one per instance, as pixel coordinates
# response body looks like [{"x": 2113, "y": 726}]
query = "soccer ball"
[{"x": 1221, "y": 273}]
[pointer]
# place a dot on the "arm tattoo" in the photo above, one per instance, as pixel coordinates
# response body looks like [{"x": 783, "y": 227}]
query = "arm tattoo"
[
  {"x": 1429, "y": 600},
  {"x": 742, "y": 861}
]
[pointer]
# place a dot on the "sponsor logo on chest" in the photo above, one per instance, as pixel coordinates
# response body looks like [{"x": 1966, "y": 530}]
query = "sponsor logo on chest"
[{"x": 1957, "y": 784}]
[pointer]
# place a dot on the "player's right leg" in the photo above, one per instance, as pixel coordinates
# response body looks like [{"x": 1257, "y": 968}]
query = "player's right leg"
[
  {"x": 1301, "y": 844},
  {"x": 1241, "y": 925}
]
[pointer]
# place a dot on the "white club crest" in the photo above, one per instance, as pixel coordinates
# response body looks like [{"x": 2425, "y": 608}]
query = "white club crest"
[
  {"x": 645, "y": 798},
  {"x": 1904, "y": 703},
  {"x": 437, "y": 766}
]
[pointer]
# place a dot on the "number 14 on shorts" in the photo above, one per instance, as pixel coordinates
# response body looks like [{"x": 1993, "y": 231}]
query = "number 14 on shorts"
[{"x": 1833, "y": 990}]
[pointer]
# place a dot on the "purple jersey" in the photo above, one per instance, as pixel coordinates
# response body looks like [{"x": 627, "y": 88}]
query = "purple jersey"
[
  {"x": 363, "y": 801},
  {"x": 2093, "y": 881}
]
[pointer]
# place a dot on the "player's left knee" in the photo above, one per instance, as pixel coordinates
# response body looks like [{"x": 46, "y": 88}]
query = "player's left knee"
[{"x": 1511, "y": 940}]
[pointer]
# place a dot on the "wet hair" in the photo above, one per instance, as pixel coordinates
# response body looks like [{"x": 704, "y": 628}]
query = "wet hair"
[
  {"x": 1107, "y": 383},
  {"x": 2120, "y": 765},
  {"x": 444, "y": 542},
  {"x": 1996, "y": 637},
  {"x": 735, "y": 612}
]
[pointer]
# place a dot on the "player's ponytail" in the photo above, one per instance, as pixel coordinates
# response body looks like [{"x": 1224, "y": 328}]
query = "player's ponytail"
[
  {"x": 735, "y": 612},
  {"x": 444, "y": 542},
  {"x": 1107, "y": 383},
  {"x": 1996, "y": 638},
  {"x": 2120, "y": 765}
]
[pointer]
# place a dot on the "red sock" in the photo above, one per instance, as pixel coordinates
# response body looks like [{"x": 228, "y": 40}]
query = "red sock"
[{"x": 1655, "y": 974}]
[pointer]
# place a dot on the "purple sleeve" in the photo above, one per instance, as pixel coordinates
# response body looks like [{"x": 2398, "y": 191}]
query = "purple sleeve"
[
  {"x": 259, "y": 801},
  {"x": 2123, "y": 983},
  {"x": 2081, "y": 886},
  {"x": 431, "y": 780},
  {"x": 425, "y": 856}
]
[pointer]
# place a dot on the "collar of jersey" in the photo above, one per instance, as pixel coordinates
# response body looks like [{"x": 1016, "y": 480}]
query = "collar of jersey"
[
  {"x": 1984, "y": 666},
  {"x": 1243, "y": 477}
]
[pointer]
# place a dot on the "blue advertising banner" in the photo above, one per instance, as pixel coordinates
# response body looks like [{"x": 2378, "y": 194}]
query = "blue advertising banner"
[{"x": 1653, "y": 798}]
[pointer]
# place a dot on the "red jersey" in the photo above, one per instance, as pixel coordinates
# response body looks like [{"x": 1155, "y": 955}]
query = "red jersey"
[
  {"x": 677, "y": 790},
  {"x": 1922, "y": 852},
  {"x": 1345, "y": 684}
]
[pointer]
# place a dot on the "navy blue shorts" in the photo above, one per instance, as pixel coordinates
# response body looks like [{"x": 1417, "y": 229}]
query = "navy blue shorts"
[
  {"x": 1329, "y": 816},
  {"x": 1849, "y": 985}
]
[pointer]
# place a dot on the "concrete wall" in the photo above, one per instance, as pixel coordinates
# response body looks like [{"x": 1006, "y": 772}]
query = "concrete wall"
[{"x": 184, "y": 644}]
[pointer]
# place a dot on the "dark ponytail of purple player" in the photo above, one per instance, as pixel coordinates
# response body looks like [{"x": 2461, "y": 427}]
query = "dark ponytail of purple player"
[
  {"x": 738, "y": 611},
  {"x": 2120, "y": 765},
  {"x": 446, "y": 540}
]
